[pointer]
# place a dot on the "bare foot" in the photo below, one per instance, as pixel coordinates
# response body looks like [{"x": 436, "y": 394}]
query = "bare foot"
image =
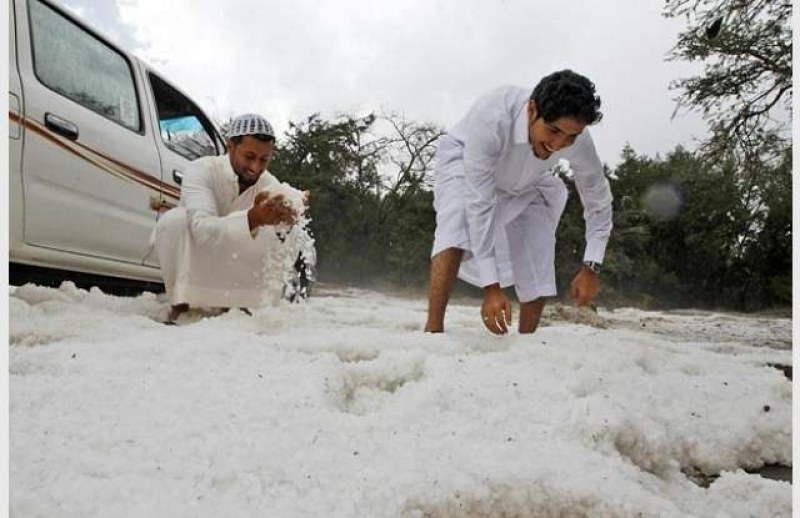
[
  {"x": 529, "y": 315},
  {"x": 444, "y": 269}
]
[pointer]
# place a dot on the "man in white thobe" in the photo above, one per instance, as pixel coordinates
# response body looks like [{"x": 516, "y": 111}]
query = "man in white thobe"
[
  {"x": 498, "y": 201},
  {"x": 210, "y": 246}
]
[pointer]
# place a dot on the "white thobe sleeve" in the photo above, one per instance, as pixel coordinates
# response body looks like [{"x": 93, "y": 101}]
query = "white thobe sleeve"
[
  {"x": 483, "y": 144},
  {"x": 207, "y": 226},
  {"x": 595, "y": 194}
]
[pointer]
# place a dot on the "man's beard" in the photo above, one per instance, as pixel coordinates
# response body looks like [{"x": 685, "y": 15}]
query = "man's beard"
[{"x": 245, "y": 180}]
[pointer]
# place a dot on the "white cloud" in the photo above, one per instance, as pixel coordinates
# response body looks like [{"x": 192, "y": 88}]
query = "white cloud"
[{"x": 80, "y": 12}]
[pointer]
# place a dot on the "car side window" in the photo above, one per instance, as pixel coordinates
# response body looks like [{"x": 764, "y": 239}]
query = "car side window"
[
  {"x": 184, "y": 128},
  {"x": 73, "y": 62}
]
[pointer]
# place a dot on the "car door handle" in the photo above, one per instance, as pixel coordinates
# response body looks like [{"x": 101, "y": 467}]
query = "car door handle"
[
  {"x": 160, "y": 205},
  {"x": 177, "y": 176},
  {"x": 61, "y": 126}
]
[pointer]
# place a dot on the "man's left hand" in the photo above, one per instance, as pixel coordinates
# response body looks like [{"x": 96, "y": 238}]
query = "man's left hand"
[{"x": 585, "y": 287}]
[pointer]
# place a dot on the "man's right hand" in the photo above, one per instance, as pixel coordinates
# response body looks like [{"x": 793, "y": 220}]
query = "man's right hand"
[
  {"x": 268, "y": 210},
  {"x": 496, "y": 310},
  {"x": 585, "y": 287}
]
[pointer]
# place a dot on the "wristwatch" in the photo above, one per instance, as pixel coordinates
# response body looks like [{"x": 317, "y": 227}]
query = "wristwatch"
[{"x": 593, "y": 266}]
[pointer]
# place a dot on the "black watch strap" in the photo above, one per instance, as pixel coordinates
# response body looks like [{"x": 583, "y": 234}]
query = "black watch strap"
[{"x": 593, "y": 266}]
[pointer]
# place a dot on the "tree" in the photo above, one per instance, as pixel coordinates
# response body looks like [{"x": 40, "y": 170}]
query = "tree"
[
  {"x": 745, "y": 93},
  {"x": 631, "y": 268},
  {"x": 687, "y": 234},
  {"x": 371, "y": 207},
  {"x": 410, "y": 153},
  {"x": 338, "y": 162},
  {"x": 745, "y": 90},
  {"x": 406, "y": 218},
  {"x": 768, "y": 256}
]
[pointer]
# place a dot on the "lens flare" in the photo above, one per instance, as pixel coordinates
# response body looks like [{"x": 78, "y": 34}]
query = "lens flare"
[{"x": 663, "y": 201}]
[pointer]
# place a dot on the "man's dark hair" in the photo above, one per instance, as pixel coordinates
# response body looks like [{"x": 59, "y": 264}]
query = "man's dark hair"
[
  {"x": 258, "y": 136},
  {"x": 567, "y": 94}
]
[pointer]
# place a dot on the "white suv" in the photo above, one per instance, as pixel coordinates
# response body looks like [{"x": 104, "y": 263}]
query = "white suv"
[{"x": 97, "y": 144}]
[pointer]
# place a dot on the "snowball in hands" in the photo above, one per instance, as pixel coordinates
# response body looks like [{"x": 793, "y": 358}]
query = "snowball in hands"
[{"x": 293, "y": 198}]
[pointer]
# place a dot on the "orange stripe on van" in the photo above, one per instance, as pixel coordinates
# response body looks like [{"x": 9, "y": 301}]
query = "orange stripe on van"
[{"x": 101, "y": 160}]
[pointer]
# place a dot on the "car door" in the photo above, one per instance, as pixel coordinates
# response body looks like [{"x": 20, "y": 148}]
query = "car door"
[
  {"x": 15, "y": 115},
  {"x": 183, "y": 132},
  {"x": 91, "y": 171}
]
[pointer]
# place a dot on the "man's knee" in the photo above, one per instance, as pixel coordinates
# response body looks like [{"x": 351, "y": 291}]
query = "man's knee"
[
  {"x": 170, "y": 224},
  {"x": 449, "y": 254}
]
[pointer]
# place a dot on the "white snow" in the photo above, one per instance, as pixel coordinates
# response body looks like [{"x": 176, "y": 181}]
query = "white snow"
[
  {"x": 282, "y": 247},
  {"x": 342, "y": 407}
]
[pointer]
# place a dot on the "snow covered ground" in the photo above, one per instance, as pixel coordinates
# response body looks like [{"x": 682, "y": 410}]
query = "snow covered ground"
[{"x": 342, "y": 407}]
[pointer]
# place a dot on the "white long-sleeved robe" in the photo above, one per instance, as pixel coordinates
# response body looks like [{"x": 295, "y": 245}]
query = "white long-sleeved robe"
[
  {"x": 208, "y": 256},
  {"x": 501, "y": 204}
]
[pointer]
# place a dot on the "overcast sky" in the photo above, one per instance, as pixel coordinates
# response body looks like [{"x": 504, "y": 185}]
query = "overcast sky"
[{"x": 425, "y": 59}]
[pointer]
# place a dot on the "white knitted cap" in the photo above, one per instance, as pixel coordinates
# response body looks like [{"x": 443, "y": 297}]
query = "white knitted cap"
[{"x": 250, "y": 124}]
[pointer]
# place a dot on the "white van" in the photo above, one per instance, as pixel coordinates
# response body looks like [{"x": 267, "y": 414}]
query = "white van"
[{"x": 98, "y": 141}]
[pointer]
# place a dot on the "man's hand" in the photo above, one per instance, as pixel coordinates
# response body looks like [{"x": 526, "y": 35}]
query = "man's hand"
[
  {"x": 268, "y": 210},
  {"x": 496, "y": 310},
  {"x": 585, "y": 287}
]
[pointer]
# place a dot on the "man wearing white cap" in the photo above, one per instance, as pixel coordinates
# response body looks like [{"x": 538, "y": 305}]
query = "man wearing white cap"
[{"x": 209, "y": 247}]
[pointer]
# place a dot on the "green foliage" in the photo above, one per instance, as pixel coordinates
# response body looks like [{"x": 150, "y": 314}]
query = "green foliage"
[
  {"x": 745, "y": 90},
  {"x": 768, "y": 256},
  {"x": 337, "y": 162},
  {"x": 745, "y": 93},
  {"x": 570, "y": 240},
  {"x": 371, "y": 210},
  {"x": 410, "y": 239},
  {"x": 717, "y": 248}
]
